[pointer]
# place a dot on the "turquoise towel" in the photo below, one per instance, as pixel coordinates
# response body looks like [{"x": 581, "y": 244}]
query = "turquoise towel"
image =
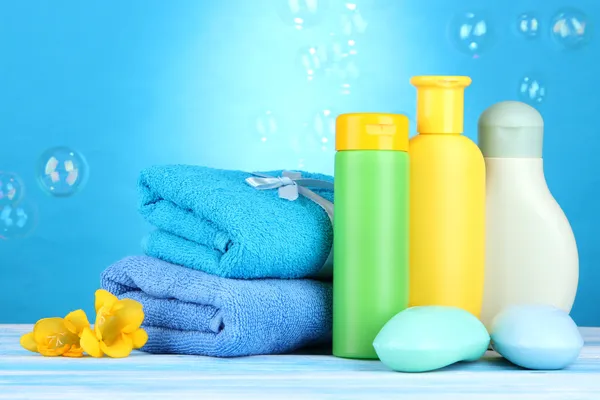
[
  {"x": 191, "y": 312},
  {"x": 214, "y": 221}
]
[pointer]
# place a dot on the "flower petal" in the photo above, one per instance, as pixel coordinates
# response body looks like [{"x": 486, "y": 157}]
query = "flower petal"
[
  {"x": 73, "y": 351},
  {"x": 139, "y": 338},
  {"x": 120, "y": 348},
  {"x": 101, "y": 315},
  {"x": 52, "y": 351},
  {"x": 75, "y": 322},
  {"x": 90, "y": 344},
  {"x": 47, "y": 327},
  {"x": 28, "y": 342},
  {"x": 104, "y": 299},
  {"x": 130, "y": 314}
]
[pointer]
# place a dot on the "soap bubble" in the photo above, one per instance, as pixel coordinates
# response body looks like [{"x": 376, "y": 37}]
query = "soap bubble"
[
  {"x": 314, "y": 61},
  {"x": 571, "y": 28},
  {"x": 344, "y": 75},
  {"x": 301, "y": 163},
  {"x": 62, "y": 171},
  {"x": 331, "y": 63},
  {"x": 17, "y": 221},
  {"x": 11, "y": 188},
  {"x": 363, "y": 5},
  {"x": 532, "y": 90},
  {"x": 321, "y": 126},
  {"x": 304, "y": 145},
  {"x": 349, "y": 19},
  {"x": 339, "y": 47},
  {"x": 301, "y": 13},
  {"x": 470, "y": 33},
  {"x": 528, "y": 25},
  {"x": 266, "y": 126}
]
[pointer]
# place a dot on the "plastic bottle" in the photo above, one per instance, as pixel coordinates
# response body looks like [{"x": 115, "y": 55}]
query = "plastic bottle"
[
  {"x": 370, "y": 278},
  {"x": 531, "y": 254},
  {"x": 447, "y": 200}
]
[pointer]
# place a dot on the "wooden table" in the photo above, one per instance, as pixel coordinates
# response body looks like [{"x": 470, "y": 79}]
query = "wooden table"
[{"x": 25, "y": 375}]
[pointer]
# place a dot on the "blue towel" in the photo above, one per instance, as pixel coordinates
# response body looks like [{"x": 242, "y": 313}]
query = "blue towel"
[
  {"x": 212, "y": 220},
  {"x": 191, "y": 312}
]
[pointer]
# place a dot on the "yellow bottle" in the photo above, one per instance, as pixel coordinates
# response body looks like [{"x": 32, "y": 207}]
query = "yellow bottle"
[{"x": 447, "y": 200}]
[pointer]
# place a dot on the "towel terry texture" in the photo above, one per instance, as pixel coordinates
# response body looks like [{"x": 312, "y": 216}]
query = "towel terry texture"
[
  {"x": 212, "y": 220},
  {"x": 192, "y": 312}
]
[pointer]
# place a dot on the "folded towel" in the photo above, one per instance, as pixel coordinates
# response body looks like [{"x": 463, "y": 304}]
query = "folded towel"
[
  {"x": 214, "y": 221},
  {"x": 192, "y": 312}
]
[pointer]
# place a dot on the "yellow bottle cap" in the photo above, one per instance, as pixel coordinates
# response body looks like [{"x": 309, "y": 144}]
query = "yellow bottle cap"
[
  {"x": 440, "y": 103},
  {"x": 371, "y": 131}
]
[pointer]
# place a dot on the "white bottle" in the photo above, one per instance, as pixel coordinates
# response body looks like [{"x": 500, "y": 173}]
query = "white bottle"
[{"x": 531, "y": 254}]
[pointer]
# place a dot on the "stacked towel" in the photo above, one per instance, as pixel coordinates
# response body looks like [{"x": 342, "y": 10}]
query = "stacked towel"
[
  {"x": 216, "y": 279},
  {"x": 213, "y": 221},
  {"x": 192, "y": 312}
]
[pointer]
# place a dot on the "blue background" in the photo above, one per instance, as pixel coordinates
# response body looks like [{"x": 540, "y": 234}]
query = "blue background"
[{"x": 128, "y": 84}]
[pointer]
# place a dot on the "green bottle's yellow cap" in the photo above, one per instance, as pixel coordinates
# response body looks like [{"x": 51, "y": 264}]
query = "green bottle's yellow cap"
[{"x": 371, "y": 131}]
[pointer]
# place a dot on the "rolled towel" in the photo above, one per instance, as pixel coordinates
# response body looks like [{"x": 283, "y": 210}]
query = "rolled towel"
[
  {"x": 192, "y": 312},
  {"x": 215, "y": 221}
]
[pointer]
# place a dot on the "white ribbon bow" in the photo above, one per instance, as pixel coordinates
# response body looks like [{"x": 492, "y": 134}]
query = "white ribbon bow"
[
  {"x": 285, "y": 184},
  {"x": 289, "y": 185}
]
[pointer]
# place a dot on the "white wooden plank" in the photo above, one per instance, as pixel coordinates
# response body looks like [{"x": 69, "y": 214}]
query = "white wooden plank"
[{"x": 25, "y": 375}]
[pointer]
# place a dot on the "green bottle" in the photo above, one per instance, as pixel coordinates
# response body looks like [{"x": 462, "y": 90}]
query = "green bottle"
[{"x": 371, "y": 214}]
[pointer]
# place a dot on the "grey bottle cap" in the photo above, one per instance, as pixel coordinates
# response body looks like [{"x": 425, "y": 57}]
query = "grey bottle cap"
[{"x": 511, "y": 129}]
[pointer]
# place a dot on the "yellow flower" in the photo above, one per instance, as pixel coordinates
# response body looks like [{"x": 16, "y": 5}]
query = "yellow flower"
[
  {"x": 117, "y": 329},
  {"x": 53, "y": 337}
]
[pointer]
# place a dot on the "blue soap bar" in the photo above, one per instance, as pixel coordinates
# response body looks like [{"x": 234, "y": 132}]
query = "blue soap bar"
[
  {"x": 427, "y": 338},
  {"x": 536, "y": 337}
]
